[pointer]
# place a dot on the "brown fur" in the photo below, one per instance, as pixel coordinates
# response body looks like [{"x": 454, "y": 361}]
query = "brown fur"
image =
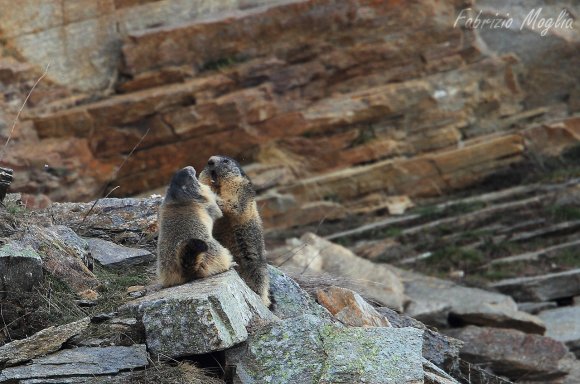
[
  {"x": 240, "y": 228},
  {"x": 186, "y": 248}
]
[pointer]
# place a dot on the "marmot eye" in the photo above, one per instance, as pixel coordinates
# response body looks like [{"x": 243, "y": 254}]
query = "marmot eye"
[{"x": 226, "y": 161}]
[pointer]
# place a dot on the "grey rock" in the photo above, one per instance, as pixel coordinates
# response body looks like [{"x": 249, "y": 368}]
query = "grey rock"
[
  {"x": 372, "y": 355},
  {"x": 542, "y": 288},
  {"x": 41, "y": 343},
  {"x": 563, "y": 324},
  {"x": 572, "y": 366},
  {"x": 63, "y": 253},
  {"x": 308, "y": 349},
  {"x": 436, "y": 302},
  {"x": 109, "y": 215},
  {"x": 535, "y": 308},
  {"x": 84, "y": 361},
  {"x": 75, "y": 243},
  {"x": 112, "y": 255},
  {"x": 512, "y": 353},
  {"x": 435, "y": 375},
  {"x": 439, "y": 349},
  {"x": 203, "y": 316},
  {"x": 20, "y": 269},
  {"x": 289, "y": 299},
  {"x": 116, "y": 331}
]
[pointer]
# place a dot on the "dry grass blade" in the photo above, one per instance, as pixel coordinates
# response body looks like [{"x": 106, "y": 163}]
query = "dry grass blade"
[
  {"x": 20, "y": 111},
  {"x": 113, "y": 177}
]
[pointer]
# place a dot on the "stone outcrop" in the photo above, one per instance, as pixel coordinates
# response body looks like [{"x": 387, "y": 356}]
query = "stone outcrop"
[
  {"x": 429, "y": 108},
  {"x": 203, "y": 316}
]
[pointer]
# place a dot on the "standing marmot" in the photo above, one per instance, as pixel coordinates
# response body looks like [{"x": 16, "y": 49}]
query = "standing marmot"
[
  {"x": 186, "y": 248},
  {"x": 240, "y": 229}
]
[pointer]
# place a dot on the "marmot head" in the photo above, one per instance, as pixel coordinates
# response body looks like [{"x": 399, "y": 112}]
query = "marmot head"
[
  {"x": 184, "y": 187},
  {"x": 221, "y": 170}
]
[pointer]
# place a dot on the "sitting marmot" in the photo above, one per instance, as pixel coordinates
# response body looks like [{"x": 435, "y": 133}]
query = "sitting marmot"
[
  {"x": 186, "y": 248},
  {"x": 240, "y": 228}
]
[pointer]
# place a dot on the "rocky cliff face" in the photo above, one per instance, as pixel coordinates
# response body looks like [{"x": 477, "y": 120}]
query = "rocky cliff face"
[{"x": 331, "y": 105}]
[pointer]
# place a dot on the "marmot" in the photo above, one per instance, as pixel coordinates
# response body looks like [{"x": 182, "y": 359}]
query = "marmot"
[
  {"x": 240, "y": 228},
  {"x": 186, "y": 248}
]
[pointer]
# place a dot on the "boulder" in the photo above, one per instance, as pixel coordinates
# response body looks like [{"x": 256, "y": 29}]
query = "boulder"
[
  {"x": 512, "y": 353},
  {"x": 314, "y": 254},
  {"x": 289, "y": 299},
  {"x": 20, "y": 269},
  {"x": 438, "y": 348},
  {"x": 563, "y": 324},
  {"x": 308, "y": 349},
  {"x": 350, "y": 308},
  {"x": 541, "y": 288},
  {"x": 112, "y": 255},
  {"x": 84, "y": 361},
  {"x": 440, "y": 302},
  {"x": 41, "y": 343},
  {"x": 203, "y": 316},
  {"x": 64, "y": 255}
]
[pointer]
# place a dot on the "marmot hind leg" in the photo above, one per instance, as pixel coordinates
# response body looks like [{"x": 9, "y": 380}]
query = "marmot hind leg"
[
  {"x": 188, "y": 253},
  {"x": 200, "y": 259}
]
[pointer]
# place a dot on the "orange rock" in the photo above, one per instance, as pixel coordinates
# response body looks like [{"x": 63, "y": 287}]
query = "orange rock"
[
  {"x": 88, "y": 294},
  {"x": 552, "y": 139},
  {"x": 350, "y": 308}
]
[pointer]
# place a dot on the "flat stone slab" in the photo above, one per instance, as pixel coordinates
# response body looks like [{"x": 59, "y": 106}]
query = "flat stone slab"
[
  {"x": 20, "y": 269},
  {"x": 308, "y": 349},
  {"x": 113, "y": 255},
  {"x": 563, "y": 324},
  {"x": 41, "y": 343},
  {"x": 511, "y": 353},
  {"x": 435, "y": 301},
  {"x": 84, "y": 361},
  {"x": 203, "y": 316},
  {"x": 541, "y": 288}
]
